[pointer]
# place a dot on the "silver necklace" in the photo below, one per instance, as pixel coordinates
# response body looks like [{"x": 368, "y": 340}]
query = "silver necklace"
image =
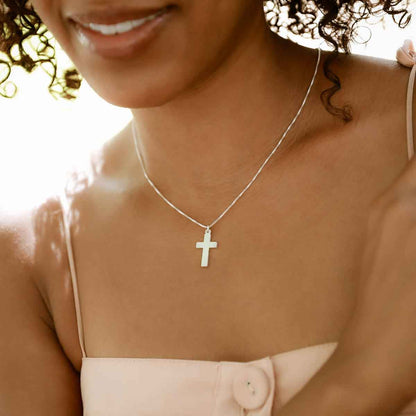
[{"x": 207, "y": 244}]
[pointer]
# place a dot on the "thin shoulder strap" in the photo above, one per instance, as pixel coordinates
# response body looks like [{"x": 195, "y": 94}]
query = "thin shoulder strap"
[
  {"x": 409, "y": 112},
  {"x": 67, "y": 231}
]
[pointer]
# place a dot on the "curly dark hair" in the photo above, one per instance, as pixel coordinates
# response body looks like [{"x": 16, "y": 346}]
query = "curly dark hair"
[{"x": 334, "y": 20}]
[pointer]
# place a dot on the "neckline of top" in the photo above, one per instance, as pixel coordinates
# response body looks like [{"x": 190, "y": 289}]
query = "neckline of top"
[{"x": 328, "y": 345}]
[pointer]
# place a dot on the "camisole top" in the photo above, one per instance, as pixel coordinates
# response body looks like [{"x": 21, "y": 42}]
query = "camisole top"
[{"x": 112, "y": 386}]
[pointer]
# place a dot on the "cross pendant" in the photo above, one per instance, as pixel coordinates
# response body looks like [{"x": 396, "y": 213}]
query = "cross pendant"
[{"x": 206, "y": 245}]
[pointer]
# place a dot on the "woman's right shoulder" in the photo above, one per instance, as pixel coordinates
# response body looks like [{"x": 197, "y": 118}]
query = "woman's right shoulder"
[
  {"x": 32, "y": 360},
  {"x": 19, "y": 262},
  {"x": 16, "y": 238}
]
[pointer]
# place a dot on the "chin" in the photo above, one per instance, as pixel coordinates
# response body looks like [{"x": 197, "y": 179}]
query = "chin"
[{"x": 137, "y": 94}]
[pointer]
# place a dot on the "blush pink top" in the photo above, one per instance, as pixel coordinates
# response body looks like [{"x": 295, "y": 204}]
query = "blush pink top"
[{"x": 179, "y": 387}]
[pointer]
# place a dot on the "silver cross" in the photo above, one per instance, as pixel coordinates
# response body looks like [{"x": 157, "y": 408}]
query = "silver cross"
[{"x": 206, "y": 245}]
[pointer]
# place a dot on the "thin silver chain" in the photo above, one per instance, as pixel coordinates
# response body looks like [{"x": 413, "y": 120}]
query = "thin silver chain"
[{"x": 207, "y": 227}]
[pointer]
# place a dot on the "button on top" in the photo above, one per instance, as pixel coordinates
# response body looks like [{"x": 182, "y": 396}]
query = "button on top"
[{"x": 250, "y": 387}]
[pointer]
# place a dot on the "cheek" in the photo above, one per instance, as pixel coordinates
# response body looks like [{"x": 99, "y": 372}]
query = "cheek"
[
  {"x": 50, "y": 13},
  {"x": 217, "y": 28},
  {"x": 45, "y": 10},
  {"x": 213, "y": 28},
  {"x": 214, "y": 22}
]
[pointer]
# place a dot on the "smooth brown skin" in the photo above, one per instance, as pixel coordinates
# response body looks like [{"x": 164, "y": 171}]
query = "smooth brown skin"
[{"x": 286, "y": 269}]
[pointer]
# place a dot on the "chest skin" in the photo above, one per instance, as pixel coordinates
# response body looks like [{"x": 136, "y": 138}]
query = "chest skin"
[{"x": 283, "y": 274}]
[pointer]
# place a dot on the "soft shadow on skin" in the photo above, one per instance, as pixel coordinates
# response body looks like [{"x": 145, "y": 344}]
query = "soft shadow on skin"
[{"x": 50, "y": 259}]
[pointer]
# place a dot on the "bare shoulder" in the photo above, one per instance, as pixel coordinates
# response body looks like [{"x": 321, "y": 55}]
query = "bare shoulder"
[
  {"x": 34, "y": 256},
  {"x": 372, "y": 85},
  {"x": 17, "y": 249},
  {"x": 386, "y": 102},
  {"x": 30, "y": 240},
  {"x": 32, "y": 357},
  {"x": 384, "y": 82},
  {"x": 53, "y": 270},
  {"x": 376, "y": 89}
]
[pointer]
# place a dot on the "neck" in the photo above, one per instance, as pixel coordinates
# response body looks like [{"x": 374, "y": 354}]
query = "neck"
[{"x": 210, "y": 140}]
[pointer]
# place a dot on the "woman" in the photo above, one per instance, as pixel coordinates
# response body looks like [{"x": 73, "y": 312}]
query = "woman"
[{"x": 299, "y": 300}]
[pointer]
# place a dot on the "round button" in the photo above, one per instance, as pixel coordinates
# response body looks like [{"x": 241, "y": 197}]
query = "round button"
[{"x": 250, "y": 387}]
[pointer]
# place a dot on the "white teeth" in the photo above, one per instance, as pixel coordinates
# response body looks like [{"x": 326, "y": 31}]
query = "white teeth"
[{"x": 121, "y": 27}]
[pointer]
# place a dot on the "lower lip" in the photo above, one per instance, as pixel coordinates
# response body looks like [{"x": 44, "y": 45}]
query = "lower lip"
[{"x": 123, "y": 45}]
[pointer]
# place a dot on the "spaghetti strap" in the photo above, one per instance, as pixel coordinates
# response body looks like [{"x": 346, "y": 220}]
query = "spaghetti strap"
[
  {"x": 406, "y": 55},
  {"x": 409, "y": 113},
  {"x": 67, "y": 231}
]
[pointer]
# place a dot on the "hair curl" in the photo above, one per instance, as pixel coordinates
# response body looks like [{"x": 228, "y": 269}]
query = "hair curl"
[{"x": 334, "y": 20}]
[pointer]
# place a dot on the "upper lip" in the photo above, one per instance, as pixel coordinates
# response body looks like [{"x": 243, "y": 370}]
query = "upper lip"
[{"x": 113, "y": 15}]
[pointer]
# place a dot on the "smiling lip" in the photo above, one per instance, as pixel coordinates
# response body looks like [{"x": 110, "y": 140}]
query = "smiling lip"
[
  {"x": 122, "y": 45},
  {"x": 114, "y": 15}
]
